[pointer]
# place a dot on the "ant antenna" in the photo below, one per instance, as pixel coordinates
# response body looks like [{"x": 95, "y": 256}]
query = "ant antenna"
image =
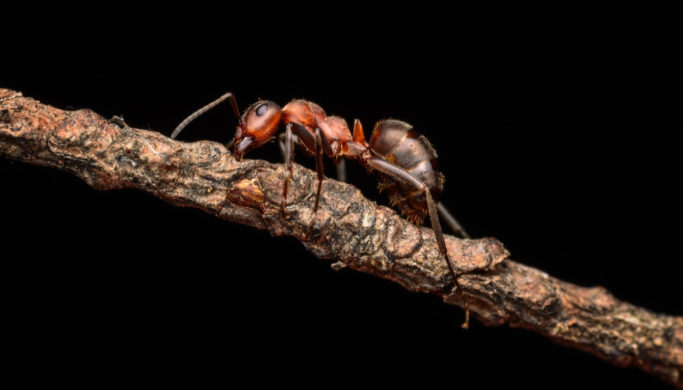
[{"x": 206, "y": 108}]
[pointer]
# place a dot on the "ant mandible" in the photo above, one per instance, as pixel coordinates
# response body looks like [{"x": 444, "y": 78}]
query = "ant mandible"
[{"x": 405, "y": 159}]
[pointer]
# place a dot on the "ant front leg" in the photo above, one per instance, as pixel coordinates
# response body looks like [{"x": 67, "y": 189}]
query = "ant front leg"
[
  {"x": 400, "y": 174},
  {"x": 288, "y": 164},
  {"x": 315, "y": 143},
  {"x": 282, "y": 143}
]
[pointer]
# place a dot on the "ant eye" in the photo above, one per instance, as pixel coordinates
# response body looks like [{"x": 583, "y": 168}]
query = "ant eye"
[{"x": 261, "y": 109}]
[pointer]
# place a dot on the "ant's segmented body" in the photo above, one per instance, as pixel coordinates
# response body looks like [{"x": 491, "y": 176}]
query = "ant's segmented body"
[{"x": 405, "y": 160}]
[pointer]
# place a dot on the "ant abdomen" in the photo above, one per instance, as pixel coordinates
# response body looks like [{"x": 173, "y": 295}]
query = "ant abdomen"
[{"x": 397, "y": 142}]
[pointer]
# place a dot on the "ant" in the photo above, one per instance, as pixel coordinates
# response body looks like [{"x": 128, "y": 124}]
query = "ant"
[{"x": 405, "y": 159}]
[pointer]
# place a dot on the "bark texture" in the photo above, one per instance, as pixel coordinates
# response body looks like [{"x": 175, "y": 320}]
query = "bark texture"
[{"x": 348, "y": 228}]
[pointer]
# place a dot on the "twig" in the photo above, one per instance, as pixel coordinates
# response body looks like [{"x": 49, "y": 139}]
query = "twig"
[{"x": 348, "y": 228}]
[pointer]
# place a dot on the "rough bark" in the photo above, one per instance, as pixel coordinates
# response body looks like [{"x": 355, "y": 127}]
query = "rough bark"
[{"x": 349, "y": 229}]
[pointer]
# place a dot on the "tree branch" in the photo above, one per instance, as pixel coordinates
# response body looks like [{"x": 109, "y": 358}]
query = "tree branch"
[{"x": 348, "y": 228}]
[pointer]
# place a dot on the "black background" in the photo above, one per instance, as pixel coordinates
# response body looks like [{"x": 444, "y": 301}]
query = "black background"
[{"x": 571, "y": 161}]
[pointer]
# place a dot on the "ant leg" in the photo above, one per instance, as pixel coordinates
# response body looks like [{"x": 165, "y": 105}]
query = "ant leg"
[
  {"x": 404, "y": 176},
  {"x": 206, "y": 108},
  {"x": 318, "y": 165},
  {"x": 312, "y": 143},
  {"x": 453, "y": 223},
  {"x": 282, "y": 139},
  {"x": 288, "y": 164},
  {"x": 341, "y": 169},
  {"x": 315, "y": 145}
]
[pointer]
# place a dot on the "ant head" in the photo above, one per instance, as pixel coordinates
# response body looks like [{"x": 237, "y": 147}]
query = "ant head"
[{"x": 257, "y": 125}]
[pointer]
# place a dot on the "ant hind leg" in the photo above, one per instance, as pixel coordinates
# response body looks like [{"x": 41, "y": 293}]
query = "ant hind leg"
[
  {"x": 438, "y": 233},
  {"x": 453, "y": 223},
  {"x": 401, "y": 175}
]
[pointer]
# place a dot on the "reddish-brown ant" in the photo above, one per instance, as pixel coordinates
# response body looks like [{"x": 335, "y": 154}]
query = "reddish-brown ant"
[{"x": 405, "y": 159}]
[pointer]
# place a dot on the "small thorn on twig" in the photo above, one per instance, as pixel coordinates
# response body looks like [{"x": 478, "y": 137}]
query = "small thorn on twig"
[
  {"x": 118, "y": 121},
  {"x": 338, "y": 265}
]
